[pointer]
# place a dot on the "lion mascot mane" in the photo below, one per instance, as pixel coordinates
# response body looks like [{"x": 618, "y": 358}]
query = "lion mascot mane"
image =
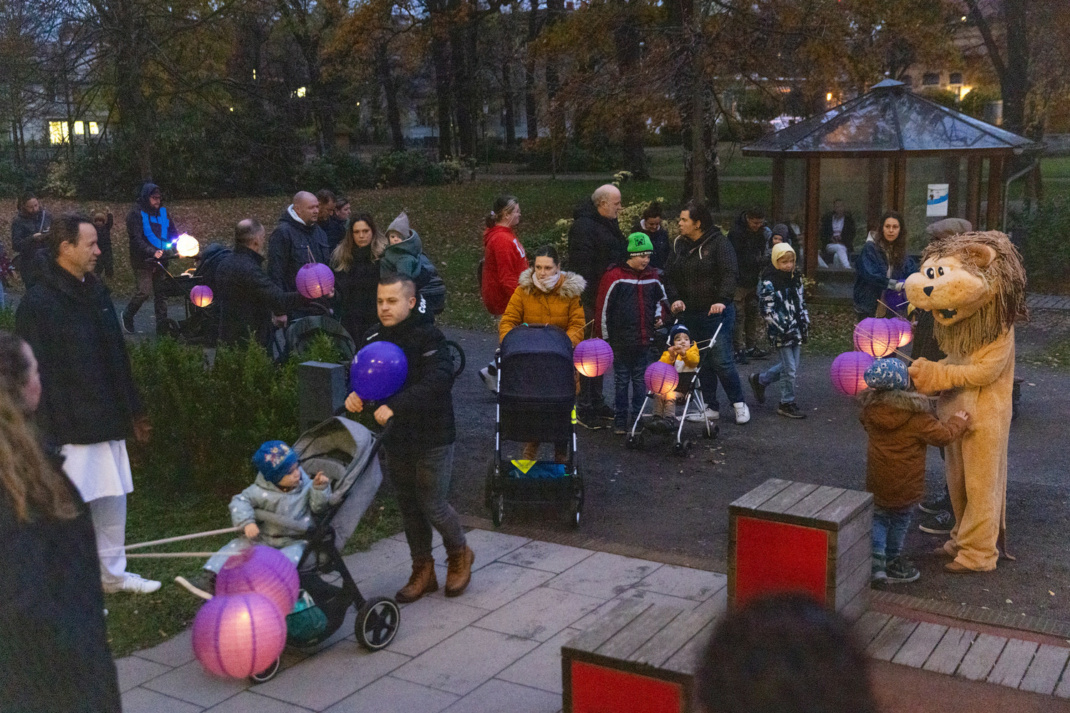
[{"x": 974, "y": 285}]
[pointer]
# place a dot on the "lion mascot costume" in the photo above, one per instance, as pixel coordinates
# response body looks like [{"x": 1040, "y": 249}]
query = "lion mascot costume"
[{"x": 974, "y": 285}]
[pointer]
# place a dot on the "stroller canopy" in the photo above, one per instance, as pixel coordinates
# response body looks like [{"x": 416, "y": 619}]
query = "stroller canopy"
[{"x": 536, "y": 366}]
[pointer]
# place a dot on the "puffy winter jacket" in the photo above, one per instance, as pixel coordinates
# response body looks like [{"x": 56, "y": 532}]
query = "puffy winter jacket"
[
  {"x": 247, "y": 298},
  {"x": 297, "y": 505},
  {"x": 560, "y": 307},
  {"x": 702, "y": 272},
  {"x": 408, "y": 259},
  {"x": 629, "y": 302},
  {"x": 355, "y": 293},
  {"x": 594, "y": 243},
  {"x": 293, "y": 245},
  {"x": 149, "y": 229},
  {"x": 503, "y": 261},
  {"x": 783, "y": 307},
  {"x": 750, "y": 247}
]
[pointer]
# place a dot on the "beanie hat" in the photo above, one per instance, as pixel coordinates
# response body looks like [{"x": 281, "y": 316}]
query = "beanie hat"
[
  {"x": 887, "y": 375},
  {"x": 782, "y": 230},
  {"x": 780, "y": 250},
  {"x": 400, "y": 225},
  {"x": 639, "y": 243},
  {"x": 274, "y": 459},
  {"x": 678, "y": 329}
]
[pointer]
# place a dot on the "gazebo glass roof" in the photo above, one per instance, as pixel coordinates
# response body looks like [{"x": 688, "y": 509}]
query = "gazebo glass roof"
[{"x": 888, "y": 119}]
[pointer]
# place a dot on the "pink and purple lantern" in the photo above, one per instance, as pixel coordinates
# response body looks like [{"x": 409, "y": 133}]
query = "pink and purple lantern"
[
  {"x": 661, "y": 378},
  {"x": 314, "y": 280},
  {"x": 592, "y": 357},
  {"x": 876, "y": 337},
  {"x": 906, "y": 331},
  {"x": 848, "y": 372},
  {"x": 263, "y": 570},
  {"x": 378, "y": 371},
  {"x": 238, "y": 635},
  {"x": 201, "y": 295}
]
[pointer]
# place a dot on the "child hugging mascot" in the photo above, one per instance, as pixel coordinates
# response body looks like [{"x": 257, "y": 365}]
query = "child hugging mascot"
[{"x": 974, "y": 284}]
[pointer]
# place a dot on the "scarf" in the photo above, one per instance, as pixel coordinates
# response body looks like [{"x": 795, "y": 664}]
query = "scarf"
[{"x": 549, "y": 283}]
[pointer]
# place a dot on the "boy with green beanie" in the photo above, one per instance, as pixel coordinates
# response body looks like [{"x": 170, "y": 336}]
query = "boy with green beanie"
[{"x": 631, "y": 305}]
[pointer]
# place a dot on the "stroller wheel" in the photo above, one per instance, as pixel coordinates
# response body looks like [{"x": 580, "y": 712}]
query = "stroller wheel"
[
  {"x": 711, "y": 432},
  {"x": 682, "y": 449},
  {"x": 377, "y": 623},
  {"x": 497, "y": 509},
  {"x": 267, "y": 674}
]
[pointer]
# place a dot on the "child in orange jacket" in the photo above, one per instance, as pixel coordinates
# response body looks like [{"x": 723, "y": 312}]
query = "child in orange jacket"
[{"x": 682, "y": 354}]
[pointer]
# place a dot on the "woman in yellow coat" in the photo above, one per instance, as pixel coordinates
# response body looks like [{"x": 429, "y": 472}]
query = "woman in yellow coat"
[{"x": 546, "y": 295}]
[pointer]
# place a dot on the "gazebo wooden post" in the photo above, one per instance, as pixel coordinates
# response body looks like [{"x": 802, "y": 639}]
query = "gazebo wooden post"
[
  {"x": 813, "y": 212},
  {"x": 951, "y": 175},
  {"x": 899, "y": 199},
  {"x": 973, "y": 190},
  {"x": 777, "y": 206},
  {"x": 995, "y": 194},
  {"x": 874, "y": 191}
]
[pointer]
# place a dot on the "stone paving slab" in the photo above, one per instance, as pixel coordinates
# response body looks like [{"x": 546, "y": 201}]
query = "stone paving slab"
[
  {"x": 547, "y": 556},
  {"x": 246, "y": 702},
  {"x": 603, "y": 575},
  {"x": 540, "y": 613},
  {"x": 431, "y": 620},
  {"x": 134, "y": 671},
  {"x": 188, "y": 683},
  {"x": 496, "y": 696},
  {"x": 451, "y": 666},
  {"x": 393, "y": 695}
]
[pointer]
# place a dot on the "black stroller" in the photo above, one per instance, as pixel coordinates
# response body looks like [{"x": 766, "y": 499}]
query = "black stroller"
[
  {"x": 197, "y": 326},
  {"x": 536, "y": 402}
]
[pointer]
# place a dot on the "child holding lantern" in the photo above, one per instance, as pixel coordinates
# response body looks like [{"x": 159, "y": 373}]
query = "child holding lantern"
[
  {"x": 684, "y": 356},
  {"x": 283, "y": 490}
]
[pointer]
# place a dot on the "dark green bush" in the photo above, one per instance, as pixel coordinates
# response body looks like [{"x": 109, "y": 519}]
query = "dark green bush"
[
  {"x": 1044, "y": 247},
  {"x": 407, "y": 168},
  {"x": 337, "y": 171}
]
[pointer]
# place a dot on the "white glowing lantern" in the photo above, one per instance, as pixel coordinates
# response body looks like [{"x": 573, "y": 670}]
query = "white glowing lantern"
[{"x": 187, "y": 245}]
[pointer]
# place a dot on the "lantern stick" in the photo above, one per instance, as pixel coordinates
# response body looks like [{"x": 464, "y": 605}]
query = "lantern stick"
[
  {"x": 167, "y": 540},
  {"x": 164, "y": 555},
  {"x": 905, "y": 357}
]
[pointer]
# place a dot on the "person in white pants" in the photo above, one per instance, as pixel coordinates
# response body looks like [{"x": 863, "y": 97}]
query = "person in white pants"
[{"x": 89, "y": 401}]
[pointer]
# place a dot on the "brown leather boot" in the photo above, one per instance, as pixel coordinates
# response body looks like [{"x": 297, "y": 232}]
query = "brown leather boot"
[
  {"x": 423, "y": 581},
  {"x": 459, "y": 571}
]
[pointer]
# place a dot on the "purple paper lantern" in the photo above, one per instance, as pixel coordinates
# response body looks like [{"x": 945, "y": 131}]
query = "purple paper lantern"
[
  {"x": 906, "y": 331},
  {"x": 201, "y": 295},
  {"x": 314, "y": 280},
  {"x": 592, "y": 357},
  {"x": 848, "y": 372},
  {"x": 661, "y": 378},
  {"x": 263, "y": 570},
  {"x": 238, "y": 635},
  {"x": 876, "y": 337},
  {"x": 379, "y": 371}
]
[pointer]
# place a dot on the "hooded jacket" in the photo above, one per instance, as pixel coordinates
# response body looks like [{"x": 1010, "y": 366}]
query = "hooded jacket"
[
  {"x": 629, "y": 302},
  {"x": 88, "y": 392},
  {"x": 403, "y": 258},
  {"x": 873, "y": 276},
  {"x": 783, "y": 307},
  {"x": 594, "y": 243},
  {"x": 900, "y": 425},
  {"x": 702, "y": 272},
  {"x": 27, "y": 250},
  {"x": 504, "y": 260},
  {"x": 149, "y": 229},
  {"x": 297, "y": 505},
  {"x": 560, "y": 307},
  {"x": 750, "y": 247},
  {"x": 291, "y": 246},
  {"x": 247, "y": 298}
]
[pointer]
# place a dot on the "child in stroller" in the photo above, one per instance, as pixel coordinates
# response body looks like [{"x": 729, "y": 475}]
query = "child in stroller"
[
  {"x": 282, "y": 487},
  {"x": 683, "y": 354}
]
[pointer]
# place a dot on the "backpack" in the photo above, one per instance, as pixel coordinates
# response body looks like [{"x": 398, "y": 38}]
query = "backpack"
[{"x": 430, "y": 286}]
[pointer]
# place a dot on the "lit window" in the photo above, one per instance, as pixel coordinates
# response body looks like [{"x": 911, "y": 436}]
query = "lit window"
[
  {"x": 58, "y": 133},
  {"x": 254, "y": 74},
  {"x": 94, "y": 129},
  {"x": 301, "y": 91},
  {"x": 79, "y": 128}
]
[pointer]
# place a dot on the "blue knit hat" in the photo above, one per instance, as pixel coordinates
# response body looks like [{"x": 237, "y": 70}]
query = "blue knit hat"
[
  {"x": 887, "y": 375},
  {"x": 274, "y": 460},
  {"x": 678, "y": 329}
]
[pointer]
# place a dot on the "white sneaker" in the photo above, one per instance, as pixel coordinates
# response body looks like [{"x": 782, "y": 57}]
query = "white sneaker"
[
  {"x": 711, "y": 415},
  {"x": 742, "y": 412},
  {"x": 133, "y": 583},
  {"x": 489, "y": 380}
]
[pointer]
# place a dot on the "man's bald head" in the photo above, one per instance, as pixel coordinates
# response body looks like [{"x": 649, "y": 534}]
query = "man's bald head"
[
  {"x": 606, "y": 201},
  {"x": 307, "y": 206}
]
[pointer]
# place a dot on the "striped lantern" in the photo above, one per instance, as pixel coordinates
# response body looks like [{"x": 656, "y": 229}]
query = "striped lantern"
[
  {"x": 906, "y": 331},
  {"x": 238, "y": 635},
  {"x": 263, "y": 570},
  {"x": 876, "y": 337},
  {"x": 201, "y": 295},
  {"x": 592, "y": 357},
  {"x": 314, "y": 280},
  {"x": 661, "y": 378},
  {"x": 849, "y": 370}
]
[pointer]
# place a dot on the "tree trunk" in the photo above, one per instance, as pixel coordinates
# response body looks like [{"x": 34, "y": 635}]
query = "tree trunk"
[
  {"x": 554, "y": 11},
  {"x": 1016, "y": 84},
  {"x": 508, "y": 115},
  {"x": 390, "y": 94},
  {"x": 441, "y": 60},
  {"x": 626, "y": 41},
  {"x": 531, "y": 101}
]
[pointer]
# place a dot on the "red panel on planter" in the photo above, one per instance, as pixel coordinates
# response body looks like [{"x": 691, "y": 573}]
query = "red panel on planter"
[
  {"x": 774, "y": 557},
  {"x": 596, "y": 689}
]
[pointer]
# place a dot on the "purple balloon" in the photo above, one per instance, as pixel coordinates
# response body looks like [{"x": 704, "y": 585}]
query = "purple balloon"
[
  {"x": 263, "y": 570},
  {"x": 848, "y": 372},
  {"x": 592, "y": 357},
  {"x": 379, "y": 371},
  {"x": 238, "y": 635},
  {"x": 661, "y": 378},
  {"x": 314, "y": 280}
]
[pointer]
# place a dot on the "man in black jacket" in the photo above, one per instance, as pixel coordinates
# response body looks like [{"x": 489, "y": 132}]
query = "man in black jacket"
[
  {"x": 296, "y": 241},
  {"x": 152, "y": 234},
  {"x": 88, "y": 401},
  {"x": 595, "y": 242},
  {"x": 419, "y": 439},
  {"x": 246, "y": 296},
  {"x": 750, "y": 239},
  {"x": 701, "y": 282},
  {"x": 29, "y": 233}
]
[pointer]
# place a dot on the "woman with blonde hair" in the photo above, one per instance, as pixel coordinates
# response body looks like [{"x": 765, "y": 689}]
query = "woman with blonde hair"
[
  {"x": 356, "y": 274},
  {"x": 504, "y": 260}
]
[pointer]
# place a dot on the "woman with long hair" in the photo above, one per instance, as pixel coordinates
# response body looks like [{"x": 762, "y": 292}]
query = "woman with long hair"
[
  {"x": 54, "y": 654},
  {"x": 882, "y": 265},
  {"x": 504, "y": 260},
  {"x": 356, "y": 274}
]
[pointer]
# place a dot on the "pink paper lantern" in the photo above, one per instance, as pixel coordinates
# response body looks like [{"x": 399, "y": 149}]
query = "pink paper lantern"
[
  {"x": 238, "y": 635},
  {"x": 314, "y": 280},
  {"x": 592, "y": 357},
  {"x": 661, "y": 378},
  {"x": 201, "y": 295},
  {"x": 906, "y": 331},
  {"x": 848, "y": 372},
  {"x": 876, "y": 337},
  {"x": 263, "y": 570}
]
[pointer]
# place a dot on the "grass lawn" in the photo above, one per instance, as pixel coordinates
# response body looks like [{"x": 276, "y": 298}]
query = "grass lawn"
[
  {"x": 1057, "y": 167},
  {"x": 669, "y": 161}
]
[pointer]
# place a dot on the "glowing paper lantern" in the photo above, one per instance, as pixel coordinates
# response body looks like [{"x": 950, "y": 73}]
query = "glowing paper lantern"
[
  {"x": 187, "y": 245},
  {"x": 661, "y": 378},
  {"x": 379, "y": 370},
  {"x": 592, "y": 357},
  {"x": 263, "y": 570},
  {"x": 201, "y": 295},
  {"x": 238, "y": 635},
  {"x": 849, "y": 370},
  {"x": 314, "y": 280},
  {"x": 876, "y": 337},
  {"x": 906, "y": 331}
]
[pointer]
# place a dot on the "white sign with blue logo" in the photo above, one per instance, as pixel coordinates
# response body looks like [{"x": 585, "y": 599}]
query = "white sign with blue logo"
[{"x": 936, "y": 204}]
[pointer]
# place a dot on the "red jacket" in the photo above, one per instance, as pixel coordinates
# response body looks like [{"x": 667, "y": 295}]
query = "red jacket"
[{"x": 503, "y": 261}]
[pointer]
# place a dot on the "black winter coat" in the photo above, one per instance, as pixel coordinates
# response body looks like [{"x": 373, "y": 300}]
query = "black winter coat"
[
  {"x": 702, "y": 272},
  {"x": 291, "y": 246},
  {"x": 660, "y": 240},
  {"x": 423, "y": 409},
  {"x": 140, "y": 247},
  {"x": 750, "y": 247},
  {"x": 355, "y": 293},
  {"x": 335, "y": 230},
  {"x": 594, "y": 243},
  {"x": 54, "y": 655},
  {"x": 248, "y": 298},
  {"x": 88, "y": 392},
  {"x": 26, "y": 248}
]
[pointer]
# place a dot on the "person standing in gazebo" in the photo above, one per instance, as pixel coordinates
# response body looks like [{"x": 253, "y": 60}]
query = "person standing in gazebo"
[{"x": 883, "y": 265}]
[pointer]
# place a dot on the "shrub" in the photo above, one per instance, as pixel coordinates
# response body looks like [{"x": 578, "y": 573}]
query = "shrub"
[
  {"x": 1044, "y": 247},
  {"x": 407, "y": 168},
  {"x": 337, "y": 171}
]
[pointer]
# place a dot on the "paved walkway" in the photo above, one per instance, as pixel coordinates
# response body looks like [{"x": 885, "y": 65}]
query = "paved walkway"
[{"x": 497, "y": 647}]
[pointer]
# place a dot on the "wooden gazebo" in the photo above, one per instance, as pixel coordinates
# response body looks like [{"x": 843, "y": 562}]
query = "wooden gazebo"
[{"x": 888, "y": 126}]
